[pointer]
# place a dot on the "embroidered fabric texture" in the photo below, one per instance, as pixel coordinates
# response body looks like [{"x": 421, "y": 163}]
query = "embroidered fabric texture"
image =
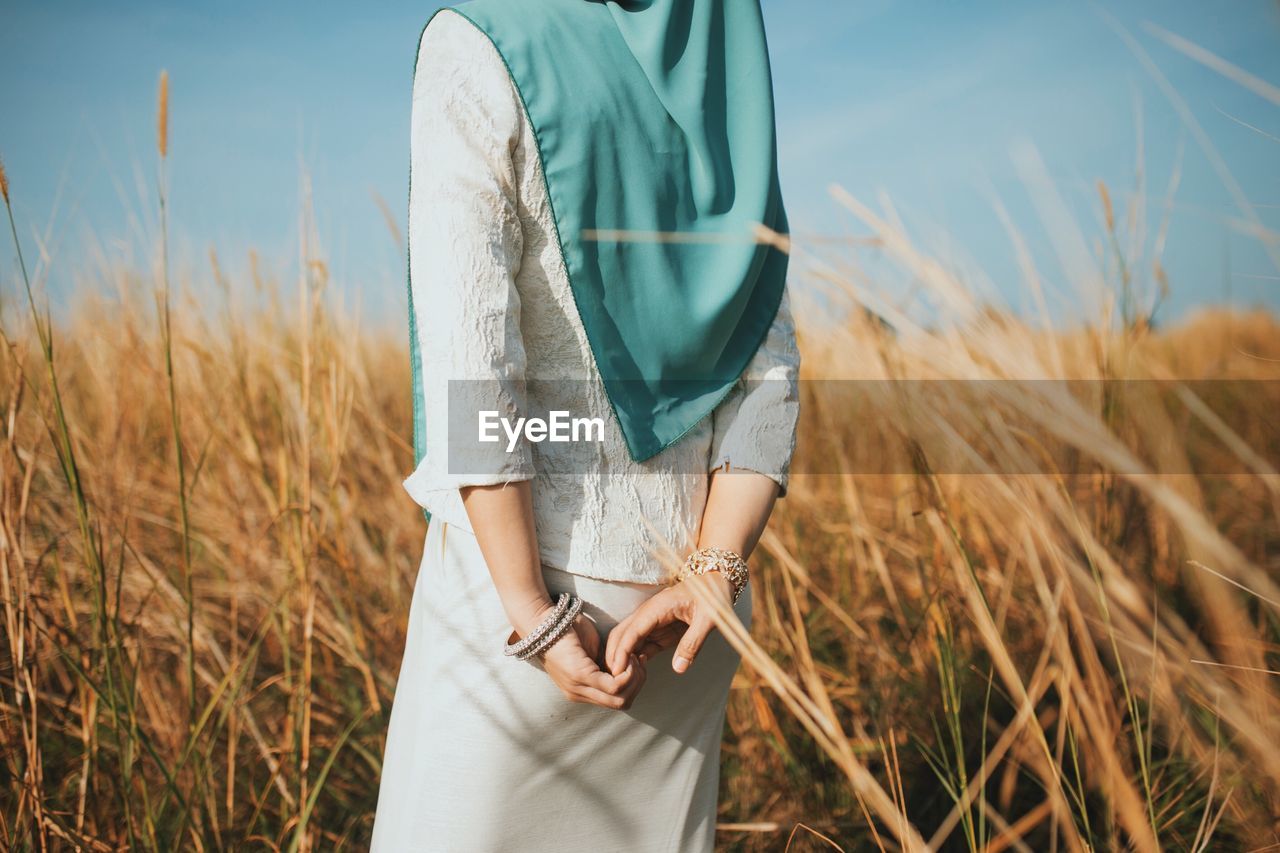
[{"x": 494, "y": 303}]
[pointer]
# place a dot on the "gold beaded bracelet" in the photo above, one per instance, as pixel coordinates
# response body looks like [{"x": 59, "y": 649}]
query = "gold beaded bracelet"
[{"x": 730, "y": 563}]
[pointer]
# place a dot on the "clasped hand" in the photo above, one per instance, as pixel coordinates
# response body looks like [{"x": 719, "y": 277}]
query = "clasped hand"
[{"x": 612, "y": 677}]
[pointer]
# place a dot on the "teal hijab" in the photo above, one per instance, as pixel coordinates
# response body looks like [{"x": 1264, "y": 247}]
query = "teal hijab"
[{"x": 654, "y": 122}]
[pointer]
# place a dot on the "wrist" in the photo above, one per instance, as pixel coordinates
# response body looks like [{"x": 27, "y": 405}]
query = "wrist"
[
  {"x": 528, "y": 613},
  {"x": 714, "y": 579}
]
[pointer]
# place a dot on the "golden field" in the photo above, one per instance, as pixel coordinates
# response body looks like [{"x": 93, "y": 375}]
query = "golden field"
[{"x": 207, "y": 561}]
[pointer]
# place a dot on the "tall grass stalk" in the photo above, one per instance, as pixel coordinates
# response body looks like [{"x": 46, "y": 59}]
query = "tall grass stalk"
[{"x": 166, "y": 344}]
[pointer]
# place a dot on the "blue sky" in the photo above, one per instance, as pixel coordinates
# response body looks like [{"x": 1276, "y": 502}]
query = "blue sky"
[{"x": 923, "y": 101}]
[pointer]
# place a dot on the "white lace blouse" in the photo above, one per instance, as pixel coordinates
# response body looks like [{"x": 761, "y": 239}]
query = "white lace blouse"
[{"x": 493, "y": 303}]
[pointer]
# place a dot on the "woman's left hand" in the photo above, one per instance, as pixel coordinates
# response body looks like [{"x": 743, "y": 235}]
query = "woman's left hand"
[{"x": 674, "y": 616}]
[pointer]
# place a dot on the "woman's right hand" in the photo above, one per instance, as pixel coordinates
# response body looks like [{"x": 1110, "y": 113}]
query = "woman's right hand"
[{"x": 572, "y": 663}]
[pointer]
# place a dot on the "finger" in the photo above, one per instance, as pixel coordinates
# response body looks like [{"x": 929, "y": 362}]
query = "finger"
[
  {"x": 632, "y": 690},
  {"x": 616, "y": 639},
  {"x": 583, "y": 670},
  {"x": 593, "y": 696},
  {"x": 627, "y": 694},
  {"x": 663, "y": 638},
  {"x": 622, "y": 680},
  {"x": 588, "y": 636},
  {"x": 692, "y": 642},
  {"x": 579, "y": 670},
  {"x": 623, "y": 634},
  {"x": 598, "y": 679},
  {"x": 628, "y": 633},
  {"x": 656, "y": 642}
]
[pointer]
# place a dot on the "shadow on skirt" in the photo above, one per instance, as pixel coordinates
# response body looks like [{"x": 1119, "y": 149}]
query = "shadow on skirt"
[{"x": 484, "y": 753}]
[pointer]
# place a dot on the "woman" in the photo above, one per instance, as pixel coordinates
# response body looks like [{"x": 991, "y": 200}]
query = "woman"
[{"x": 586, "y": 178}]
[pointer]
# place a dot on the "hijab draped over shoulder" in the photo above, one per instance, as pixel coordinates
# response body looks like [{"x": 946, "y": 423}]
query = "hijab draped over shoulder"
[{"x": 654, "y": 122}]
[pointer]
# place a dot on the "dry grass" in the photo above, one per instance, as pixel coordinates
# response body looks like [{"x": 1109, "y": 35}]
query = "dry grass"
[{"x": 207, "y": 562}]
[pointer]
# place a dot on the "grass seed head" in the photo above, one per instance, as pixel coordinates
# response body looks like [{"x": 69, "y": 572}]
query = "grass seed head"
[{"x": 162, "y": 115}]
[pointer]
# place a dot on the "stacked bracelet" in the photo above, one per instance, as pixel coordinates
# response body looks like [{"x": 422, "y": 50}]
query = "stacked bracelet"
[
  {"x": 518, "y": 649},
  {"x": 730, "y": 563},
  {"x": 557, "y": 631},
  {"x": 549, "y": 630}
]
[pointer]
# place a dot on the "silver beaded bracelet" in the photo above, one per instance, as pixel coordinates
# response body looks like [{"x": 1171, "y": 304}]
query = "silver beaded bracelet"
[
  {"x": 730, "y": 563},
  {"x": 562, "y": 627},
  {"x": 554, "y": 626},
  {"x": 518, "y": 648}
]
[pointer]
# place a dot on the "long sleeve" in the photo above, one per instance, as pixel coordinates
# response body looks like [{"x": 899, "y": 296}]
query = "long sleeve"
[
  {"x": 754, "y": 427},
  {"x": 465, "y": 246}
]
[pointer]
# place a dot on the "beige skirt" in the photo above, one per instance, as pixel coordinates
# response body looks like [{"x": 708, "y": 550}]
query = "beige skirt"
[{"x": 484, "y": 753}]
